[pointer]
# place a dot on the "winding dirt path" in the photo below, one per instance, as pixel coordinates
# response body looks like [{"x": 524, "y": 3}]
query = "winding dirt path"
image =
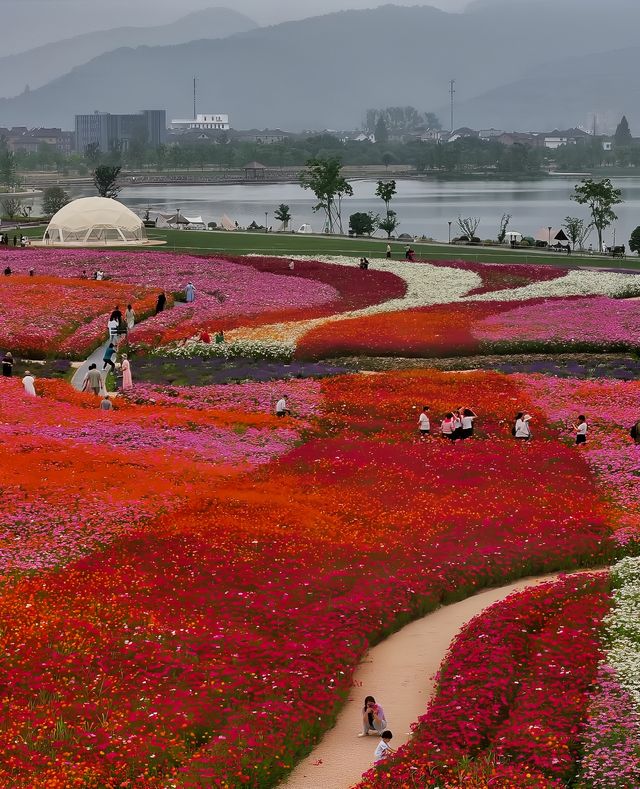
[{"x": 399, "y": 673}]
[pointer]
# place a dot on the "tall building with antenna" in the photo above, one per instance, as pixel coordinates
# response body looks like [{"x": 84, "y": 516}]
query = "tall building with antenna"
[{"x": 200, "y": 121}]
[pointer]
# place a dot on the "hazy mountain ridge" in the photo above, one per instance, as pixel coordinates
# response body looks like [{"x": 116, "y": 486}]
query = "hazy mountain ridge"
[
  {"x": 37, "y": 67},
  {"x": 325, "y": 71}
]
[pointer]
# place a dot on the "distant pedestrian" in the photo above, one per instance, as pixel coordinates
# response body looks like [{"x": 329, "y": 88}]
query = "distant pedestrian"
[
  {"x": 7, "y": 364},
  {"x": 424, "y": 423},
  {"x": 383, "y": 749},
  {"x": 407, "y": 251},
  {"x": 106, "y": 404},
  {"x": 23, "y": 241},
  {"x": 29, "y": 383},
  {"x": 32, "y": 272},
  {"x": 457, "y": 423},
  {"x": 190, "y": 291},
  {"x": 15, "y": 241},
  {"x": 388, "y": 251},
  {"x": 468, "y": 418},
  {"x": 281, "y": 406},
  {"x": 635, "y": 432},
  {"x": 219, "y": 337},
  {"x": 292, "y": 265},
  {"x": 46, "y": 237},
  {"x": 161, "y": 302},
  {"x": 373, "y": 719},
  {"x": 108, "y": 357},
  {"x": 447, "y": 426},
  {"x": 112, "y": 327},
  {"x": 116, "y": 315},
  {"x": 127, "y": 383},
  {"x": 130, "y": 317},
  {"x": 521, "y": 429},
  {"x": 7, "y": 271},
  {"x": 364, "y": 263},
  {"x": 581, "y": 429},
  {"x": 92, "y": 380}
]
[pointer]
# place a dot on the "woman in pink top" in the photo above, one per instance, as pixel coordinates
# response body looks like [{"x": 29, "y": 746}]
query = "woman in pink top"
[
  {"x": 372, "y": 718},
  {"x": 448, "y": 426}
]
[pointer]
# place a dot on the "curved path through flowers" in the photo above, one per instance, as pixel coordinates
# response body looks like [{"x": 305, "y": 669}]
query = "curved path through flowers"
[{"x": 399, "y": 672}]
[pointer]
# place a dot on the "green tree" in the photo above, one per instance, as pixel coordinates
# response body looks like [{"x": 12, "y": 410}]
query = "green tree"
[
  {"x": 389, "y": 223},
  {"x": 381, "y": 132},
  {"x": 282, "y": 214},
  {"x": 386, "y": 191},
  {"x": 600, "y": 196},
  {"x": 54, "y": 199},
  {"x": 8, "y": 173},
  {"x": 623, "y": 136},
  {"x": 504, "y": 224},
  {"x": 11, "y": 207},
  {"x": 323, "y": 176},
  {"x": 362, "y": 224},
  {"x": 105, "y": 179},
  {"x": 92, "y": 153},
  {"x": 577, "y": 231},
  {"x": 634, "y": 241}
]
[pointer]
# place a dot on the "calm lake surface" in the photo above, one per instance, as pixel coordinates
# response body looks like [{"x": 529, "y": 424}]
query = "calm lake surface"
[{"x": 423, "y": 207}]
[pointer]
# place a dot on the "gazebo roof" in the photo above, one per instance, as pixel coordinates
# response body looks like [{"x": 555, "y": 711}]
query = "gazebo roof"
[{"x": 254, "y": 166}]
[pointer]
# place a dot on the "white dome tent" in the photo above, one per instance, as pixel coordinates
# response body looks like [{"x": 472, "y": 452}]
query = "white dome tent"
[{"x": 95, "y": 221}]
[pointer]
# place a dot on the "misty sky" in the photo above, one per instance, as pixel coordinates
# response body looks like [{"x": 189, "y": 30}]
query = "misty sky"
[{"x": 35, "y": 22}]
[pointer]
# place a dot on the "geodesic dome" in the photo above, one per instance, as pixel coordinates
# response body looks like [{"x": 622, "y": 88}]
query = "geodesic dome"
[{"x": 95, "y": 220}]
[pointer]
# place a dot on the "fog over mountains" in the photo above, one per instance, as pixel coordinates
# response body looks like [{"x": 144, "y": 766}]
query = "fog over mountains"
[{"x": 519, "y": 64}]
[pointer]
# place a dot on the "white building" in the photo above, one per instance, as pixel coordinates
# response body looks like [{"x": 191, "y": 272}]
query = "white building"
[{"x": 205, "y": 122}]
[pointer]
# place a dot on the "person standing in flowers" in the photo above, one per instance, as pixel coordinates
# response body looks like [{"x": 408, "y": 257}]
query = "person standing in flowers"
[
  {"x": 161, "y": 302},
  {"x": 373, "y": 719},
  {"x": 92, "y": 380},
  {"x": 190, "y": 291},
  {"x": 281, "y": 406},
  {"x": 521, "y": 429},
  {"x": 130, "y": 317},
  {"x": 106, "y": 404},
  {"x": 424, "y": 423},
  {"x": 127, "y": 382},
  {"x": 447, "y": 426},
  {"x": 29, "y": 383},
  {"x": 581, "y": 429},
  {"x": 7, "y": 364},
  {"x": 635, "y": 432},
  {"x": 467, "y": 418}
]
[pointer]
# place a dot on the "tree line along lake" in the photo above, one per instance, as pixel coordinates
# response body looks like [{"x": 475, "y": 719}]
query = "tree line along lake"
[{"x": 424, "y": 207}]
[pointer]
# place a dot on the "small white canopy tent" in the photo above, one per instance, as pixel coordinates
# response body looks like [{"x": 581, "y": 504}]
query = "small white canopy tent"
[
  {"x": 92, "y": 220},
  {"x": 195, "y": 222},
  {"x": 558, "y": 236},
  {"x": 305, "y": 229},
  {"x": 226, "y": 223},
  {"x": 513, "y": 235}
]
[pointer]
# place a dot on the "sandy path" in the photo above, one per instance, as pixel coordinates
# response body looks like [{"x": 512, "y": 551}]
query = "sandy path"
[{"x": 398, "y": 672}]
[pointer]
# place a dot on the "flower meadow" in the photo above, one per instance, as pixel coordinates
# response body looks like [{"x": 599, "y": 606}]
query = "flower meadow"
[
  {"x": 188, "y": 581},
  {"x": 512, "y": 695},
  {"x": 192, "y": 616}
]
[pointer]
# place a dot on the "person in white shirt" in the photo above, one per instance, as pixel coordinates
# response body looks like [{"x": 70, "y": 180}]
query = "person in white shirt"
[
  {"x": 424, "y": 424},
  {"x": 383, "y": 749},
  {"x": 521, "y": 429},
  {"x": 581, "y": 429},
  {"x": 281, "y": 406},
  {"x": 29, "y": 383},
  {"x": 467, "y": 418}
]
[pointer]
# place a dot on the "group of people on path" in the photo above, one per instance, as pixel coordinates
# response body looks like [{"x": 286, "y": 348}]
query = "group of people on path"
[
  {"x": 455, "y": 425},
  {"x": 120, "y": 325}
]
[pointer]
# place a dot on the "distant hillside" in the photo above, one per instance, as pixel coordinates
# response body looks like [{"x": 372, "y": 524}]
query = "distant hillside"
[
  {"x": 38, "y": 66},
  {"x": 563, "y": 93},
  {"x": 325, "y": 71}
]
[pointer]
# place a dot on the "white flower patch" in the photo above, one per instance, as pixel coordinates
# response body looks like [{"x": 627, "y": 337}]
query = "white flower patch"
[
  {"x": 250, "y": 349},
  {"x": 426, "y": 285},
  {"x": 575, "y": 283},
  {"x": 623, "y": 626}
]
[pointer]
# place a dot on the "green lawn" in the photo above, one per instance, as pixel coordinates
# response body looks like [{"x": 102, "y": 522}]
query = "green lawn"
[
  {"x": 243, "y": 243},
  {"x": 300, "y": 244}
]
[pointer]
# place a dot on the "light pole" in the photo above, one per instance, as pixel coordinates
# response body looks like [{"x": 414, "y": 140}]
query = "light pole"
[
  {"x": 449, "y": 223},
  {"x": 549, "y": 242},
  {"x": 266, "y": 221}
]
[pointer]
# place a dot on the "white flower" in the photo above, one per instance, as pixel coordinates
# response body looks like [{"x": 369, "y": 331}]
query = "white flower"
[{"x": 575, "y": 283}]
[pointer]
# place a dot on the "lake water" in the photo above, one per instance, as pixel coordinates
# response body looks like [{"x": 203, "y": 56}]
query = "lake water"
[{"x": 423, "y": 206}]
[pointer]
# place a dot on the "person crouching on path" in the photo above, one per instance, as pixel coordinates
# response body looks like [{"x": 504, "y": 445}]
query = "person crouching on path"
[
  {"x": 106, "y": 404},
  {"x": 424, "y": 423},
  {"x": 373, "y": 719},
  {"x": 281, "y": 406},
  {"x": 581, "y": 429},
  {"x": 383, "y": 749}
]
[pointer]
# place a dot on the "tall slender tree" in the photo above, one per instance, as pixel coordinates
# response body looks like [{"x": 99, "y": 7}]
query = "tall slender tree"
[
  {"x": 600, "y": 197},
  {"x": 324, "y": 177}
]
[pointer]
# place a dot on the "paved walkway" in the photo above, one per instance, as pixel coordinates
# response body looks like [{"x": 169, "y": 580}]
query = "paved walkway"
[
  {"x": 95, "y": 358},
  {"x": 399, "y": 673}
]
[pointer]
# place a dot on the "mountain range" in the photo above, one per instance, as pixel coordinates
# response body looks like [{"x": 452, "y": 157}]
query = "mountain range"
[
  {"x": 35, "y": 67},
  {"x": 518, "y": 64}
]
